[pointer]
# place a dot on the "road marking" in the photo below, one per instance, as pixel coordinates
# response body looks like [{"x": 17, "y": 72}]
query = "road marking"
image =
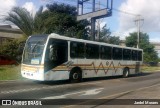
[
  {"x": 93, "y": 92},
  {"x": 46, "y": 87},
  {"x": 97, "y": 82},
  {"x": 85, "y": 92},
  {"x": 111, "y": 96}
]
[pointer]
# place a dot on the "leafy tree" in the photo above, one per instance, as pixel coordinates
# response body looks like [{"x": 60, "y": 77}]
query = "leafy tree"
[
  {"x": 12, "y": 49},
  {"x": 149, "y": 53},
  {"x": 105, "y": 33},
  {"x": 21, "y": 18},
  {"x": 39, "y": 22},
  {"x": 25, "y": 21},
  {"x": 114, "y": 40},
  {"x": 62, "y": 20},
  {"x": 105, "y": 36}
]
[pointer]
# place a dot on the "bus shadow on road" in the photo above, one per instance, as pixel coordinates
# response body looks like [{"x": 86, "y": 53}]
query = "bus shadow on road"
[
  {"x": 91, "y": 79},
  {"x": 140, "y": 74},
  {"x": 115, "y": 77},
  {"x": 84, "y": 80},
  {"x": 53, "y": 82}
]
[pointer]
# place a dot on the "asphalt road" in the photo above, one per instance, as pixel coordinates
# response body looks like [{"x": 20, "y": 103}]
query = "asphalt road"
[{"x": 143, "y": 86}]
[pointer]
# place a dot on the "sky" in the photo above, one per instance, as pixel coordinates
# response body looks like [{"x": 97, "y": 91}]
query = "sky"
[{"x": 121, "y": 23}]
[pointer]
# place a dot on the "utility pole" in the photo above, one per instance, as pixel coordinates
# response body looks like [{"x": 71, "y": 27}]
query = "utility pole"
[
  {"x": 93, "y": 22},
  {"x": 137, "y": 22},
  {"x": 98, "y": 24},
  {"x": 99, "y": 21}
]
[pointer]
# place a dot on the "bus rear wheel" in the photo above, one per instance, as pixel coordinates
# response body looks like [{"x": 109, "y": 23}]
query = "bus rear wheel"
[
  {"x": 126, "y": 72},
  {"x": 75, "y": 76}
]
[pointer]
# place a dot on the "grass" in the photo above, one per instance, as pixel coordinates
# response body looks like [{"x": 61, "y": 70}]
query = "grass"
[
  {"x": 10, "y": 73},
  {"x": 151, "y": 68}
]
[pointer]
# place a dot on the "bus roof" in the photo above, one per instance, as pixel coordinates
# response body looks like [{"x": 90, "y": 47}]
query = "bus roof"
[{"x": 56, "y": 36}]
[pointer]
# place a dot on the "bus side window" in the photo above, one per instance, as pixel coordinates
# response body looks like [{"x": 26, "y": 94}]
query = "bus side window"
[
  {"x": 117, "y": 53},
  {"x": 126, "y": 54},
  {"x": 73, "y": 49},
  {"x": 134, "y": 55},
  {"x": 77, "y": 50},
  {"x": 106, "y": 52},
  {"x": 92, "y": 51}
]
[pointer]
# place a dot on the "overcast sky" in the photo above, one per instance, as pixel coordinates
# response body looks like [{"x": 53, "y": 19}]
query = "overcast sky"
[
  {"x": 149, "y": 11},
  {"x": 120, "y": 23}
]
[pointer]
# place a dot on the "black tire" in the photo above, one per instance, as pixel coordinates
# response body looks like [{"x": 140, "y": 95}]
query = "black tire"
[
  {"x": 75, "y": 76},
  {"x": 125, "y": 72}
]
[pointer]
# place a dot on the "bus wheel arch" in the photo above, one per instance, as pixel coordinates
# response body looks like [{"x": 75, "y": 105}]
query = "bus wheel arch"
[
  {"x": 75, "y": 74},
  {"x": 126, "y": 72}
]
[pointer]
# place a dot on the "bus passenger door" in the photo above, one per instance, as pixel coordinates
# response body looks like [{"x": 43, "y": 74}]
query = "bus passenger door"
[{"x": 56, "y": 53}]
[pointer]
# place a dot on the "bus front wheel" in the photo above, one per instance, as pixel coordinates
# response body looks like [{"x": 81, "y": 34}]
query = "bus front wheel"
[
  {"x": 126, "y": 72},
  {"x": 75, "y": 76}
]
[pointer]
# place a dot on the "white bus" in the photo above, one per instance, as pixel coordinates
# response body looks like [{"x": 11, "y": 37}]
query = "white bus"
[{"x": 55, "y": 57}]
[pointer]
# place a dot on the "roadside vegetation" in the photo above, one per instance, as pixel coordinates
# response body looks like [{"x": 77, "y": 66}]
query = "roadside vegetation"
[
  {"x": 10, "y": 73},
  {"x": 150, "y": 69}
]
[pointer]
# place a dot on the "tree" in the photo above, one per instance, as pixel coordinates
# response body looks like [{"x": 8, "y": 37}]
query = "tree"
[
  {"x": 114, "y": 40},
  {"x": 21, "y": 18},
  {"x": 39, "y": 22},
  {"x": 28, "y": 23},
  {"x": 105, "y": 33},
  {"x": 62, "y": 20},
  {"x": 149, "y": 53},
  {"x": 12, "y": 49},
  {"x": 105, "y": 36}
]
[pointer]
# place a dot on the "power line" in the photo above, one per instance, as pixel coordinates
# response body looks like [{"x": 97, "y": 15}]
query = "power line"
[{"x": 125, "y": 12}]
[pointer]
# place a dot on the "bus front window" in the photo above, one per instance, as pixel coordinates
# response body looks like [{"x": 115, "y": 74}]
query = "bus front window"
[{"x": 33, "y": 50}]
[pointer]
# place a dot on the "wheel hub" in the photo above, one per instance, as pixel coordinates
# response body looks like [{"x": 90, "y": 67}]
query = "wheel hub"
[{"x": 75, "y": 76}]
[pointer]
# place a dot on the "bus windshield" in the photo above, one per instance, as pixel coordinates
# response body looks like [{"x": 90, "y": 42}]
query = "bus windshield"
[{"x": 34, "y": 49}]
